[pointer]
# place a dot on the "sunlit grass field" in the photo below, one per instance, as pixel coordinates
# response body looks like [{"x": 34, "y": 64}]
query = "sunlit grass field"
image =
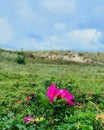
[{"x": 87, "y": 77}]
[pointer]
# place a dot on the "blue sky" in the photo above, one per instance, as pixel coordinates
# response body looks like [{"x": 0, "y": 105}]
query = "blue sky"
[{"x": 52, "y": 25}]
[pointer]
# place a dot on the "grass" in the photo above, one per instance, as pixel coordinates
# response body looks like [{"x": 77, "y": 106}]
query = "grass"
[
  {"x": 89, "y": 78},
  {"x": 18, "y": 82}
]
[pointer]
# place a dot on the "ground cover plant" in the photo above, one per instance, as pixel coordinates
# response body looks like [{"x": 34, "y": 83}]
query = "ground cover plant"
[{"x": 35, "y": 96}]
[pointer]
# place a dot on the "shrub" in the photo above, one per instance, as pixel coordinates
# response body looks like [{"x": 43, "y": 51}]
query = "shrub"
[{"x": 21, "y": 59}]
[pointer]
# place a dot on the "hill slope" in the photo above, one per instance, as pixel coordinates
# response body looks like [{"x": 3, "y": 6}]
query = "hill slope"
[{"x": 55, "y": 56}]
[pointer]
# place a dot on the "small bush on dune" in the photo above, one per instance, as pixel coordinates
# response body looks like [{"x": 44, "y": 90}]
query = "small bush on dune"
[{"x": 21, "y": 59}]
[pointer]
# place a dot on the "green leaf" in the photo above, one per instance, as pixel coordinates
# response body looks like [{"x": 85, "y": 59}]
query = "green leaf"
[
  {"x": 10, "y": 114},
  {"x": 19, "y": 126},
  {"x": 86, "y": 127},
  {"x": 31, "y": 129}
]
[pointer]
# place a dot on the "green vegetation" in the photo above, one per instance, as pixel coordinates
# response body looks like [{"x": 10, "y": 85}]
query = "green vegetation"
[
  {"x": 31, "y": 80},
  {"x": 21, "y": 57}
]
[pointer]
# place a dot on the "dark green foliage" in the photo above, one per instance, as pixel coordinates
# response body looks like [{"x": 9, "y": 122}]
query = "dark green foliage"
[{"x": 21, "y": 59}]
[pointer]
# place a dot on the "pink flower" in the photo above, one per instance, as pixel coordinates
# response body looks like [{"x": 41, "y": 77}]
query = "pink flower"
[
  {"x": 28, "y": 118},
  {"x": 52, "y": 92},
  {"x": 28, "y": 99},
  {"x": 55, "y": 92},
  {"x": 65, "y": 94}
]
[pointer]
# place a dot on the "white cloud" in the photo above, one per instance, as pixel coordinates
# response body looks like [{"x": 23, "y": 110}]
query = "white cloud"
[
  {"x": 60, "y": 6},
  {"x": 6, "y": 31},
  {"x": 32, "y": 44},
  {"x": 85, "y": 37},
  {"x": 52, "y": 42},
  {"x": 27, "y": 43}
]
